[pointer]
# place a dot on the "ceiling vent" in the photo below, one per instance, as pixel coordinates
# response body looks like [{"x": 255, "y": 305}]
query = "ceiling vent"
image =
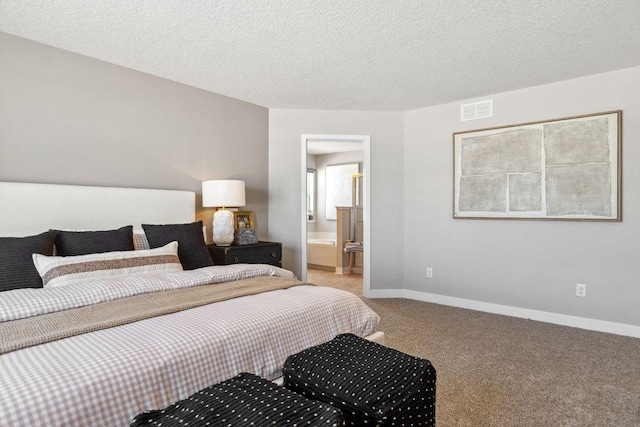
[{"x": 477, "y": 110}]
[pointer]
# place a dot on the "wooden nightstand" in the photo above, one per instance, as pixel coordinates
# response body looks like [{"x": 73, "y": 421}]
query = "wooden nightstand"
[{"x": 260, "y": 253}]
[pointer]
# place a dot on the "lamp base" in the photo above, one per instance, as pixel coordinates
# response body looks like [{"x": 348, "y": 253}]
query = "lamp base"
[{"x": 223, "y": 227}]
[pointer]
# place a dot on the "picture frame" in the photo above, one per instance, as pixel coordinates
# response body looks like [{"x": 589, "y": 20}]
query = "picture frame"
[
  {"x": 243, "y": 220},
  {"x": 561, "y": 169}
]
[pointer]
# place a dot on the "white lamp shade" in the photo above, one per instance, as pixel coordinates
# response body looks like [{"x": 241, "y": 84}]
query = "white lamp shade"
[{"x": 223, "y": 193}]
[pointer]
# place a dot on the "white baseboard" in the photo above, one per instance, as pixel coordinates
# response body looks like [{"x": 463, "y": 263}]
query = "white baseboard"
[
  {"x": 506, "y": 310},
  {"x": 387, "y": 293}
]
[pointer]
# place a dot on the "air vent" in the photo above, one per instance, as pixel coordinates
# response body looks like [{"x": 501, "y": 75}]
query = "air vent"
[{"x": 476, "y": 110}]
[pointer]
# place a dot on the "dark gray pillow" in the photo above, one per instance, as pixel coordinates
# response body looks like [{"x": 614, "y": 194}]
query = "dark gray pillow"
[
  {"x": 71, "y": 243},
  {"x": 192, "y": 250},
  {"x": 16, "y": 261}
]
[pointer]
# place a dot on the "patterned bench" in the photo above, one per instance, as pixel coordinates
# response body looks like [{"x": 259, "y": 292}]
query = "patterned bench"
[
  {"x": 371, "y": 384},
  {"x": 244, "y": 400}
]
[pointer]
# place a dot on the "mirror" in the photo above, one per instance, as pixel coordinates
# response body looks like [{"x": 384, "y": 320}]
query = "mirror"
[{"x": 338, "y": 187}]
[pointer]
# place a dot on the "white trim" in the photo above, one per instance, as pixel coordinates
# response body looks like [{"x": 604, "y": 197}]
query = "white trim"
[
  {"x": 387, "y": 293},
  {"x": 505, "y": 310},
  {"x": 366, "y": 169},
  {"x": 303, "y": 210},
  {"x": 366, "y": 217}
]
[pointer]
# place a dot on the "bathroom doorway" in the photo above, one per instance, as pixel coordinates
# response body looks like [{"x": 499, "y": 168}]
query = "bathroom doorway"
[{"x": 336, "y": 202}]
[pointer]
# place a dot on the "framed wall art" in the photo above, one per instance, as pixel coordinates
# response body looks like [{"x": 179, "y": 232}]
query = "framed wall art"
[{"x": 561, "y": 169}]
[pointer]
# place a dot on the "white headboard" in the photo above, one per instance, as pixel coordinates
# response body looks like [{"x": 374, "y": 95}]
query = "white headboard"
[{"x": 27, "y": 209}]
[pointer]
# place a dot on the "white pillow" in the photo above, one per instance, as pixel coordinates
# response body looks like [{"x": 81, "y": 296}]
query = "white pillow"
[{"x": 59, "y": 271}]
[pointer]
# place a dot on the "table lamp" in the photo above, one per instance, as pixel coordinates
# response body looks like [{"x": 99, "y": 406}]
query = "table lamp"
[{"x": 223, "y": 194}]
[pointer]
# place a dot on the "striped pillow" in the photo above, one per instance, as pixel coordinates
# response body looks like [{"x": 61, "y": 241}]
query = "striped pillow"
[{"x": 60, "y": 271}]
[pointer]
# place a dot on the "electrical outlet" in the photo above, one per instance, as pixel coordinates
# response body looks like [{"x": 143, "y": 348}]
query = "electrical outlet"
[
  {"x": 581, "y": 290},
  {"x": 429, "y": 272}
]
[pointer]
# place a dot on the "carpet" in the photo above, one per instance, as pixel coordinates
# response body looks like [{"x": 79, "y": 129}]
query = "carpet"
[{"x": 495, "y": 370}]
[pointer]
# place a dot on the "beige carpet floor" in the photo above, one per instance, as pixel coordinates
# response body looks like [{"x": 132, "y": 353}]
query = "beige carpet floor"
[{"x": 502, "y": 371}]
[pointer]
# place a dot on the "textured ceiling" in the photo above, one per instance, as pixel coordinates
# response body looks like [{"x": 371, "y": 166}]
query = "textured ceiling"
[{"x": 336, "y": 54}]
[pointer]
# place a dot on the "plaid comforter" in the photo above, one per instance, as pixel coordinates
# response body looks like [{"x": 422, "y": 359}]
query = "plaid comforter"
[{"x": 106, "y": 377}]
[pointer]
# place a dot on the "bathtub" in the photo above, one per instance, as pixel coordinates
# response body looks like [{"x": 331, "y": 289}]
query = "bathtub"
[
  {"x": 330, "y": 242},
  {"x": 322, "y": 250}
]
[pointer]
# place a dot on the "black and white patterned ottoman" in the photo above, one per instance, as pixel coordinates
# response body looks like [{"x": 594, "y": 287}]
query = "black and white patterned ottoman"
[
  {"x": 371, "y": 384},
  {"x": 244, "y": 400}
]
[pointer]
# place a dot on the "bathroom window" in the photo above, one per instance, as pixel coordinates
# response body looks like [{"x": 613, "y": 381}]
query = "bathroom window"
[{"x": 311, "y": 195}]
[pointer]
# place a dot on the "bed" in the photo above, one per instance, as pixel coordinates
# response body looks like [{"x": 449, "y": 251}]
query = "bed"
[{"x": 97, "y": 350}]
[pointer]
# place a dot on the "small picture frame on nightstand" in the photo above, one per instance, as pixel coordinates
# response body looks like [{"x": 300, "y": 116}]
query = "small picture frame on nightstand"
[{"x": 243, "y": 220}]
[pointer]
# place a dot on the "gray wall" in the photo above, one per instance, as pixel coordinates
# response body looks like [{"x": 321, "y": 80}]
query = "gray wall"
[
  {"x": 529, "y": 264},
  {"x": 285, "y": 186},
  {"x": 70, "y": 119}
]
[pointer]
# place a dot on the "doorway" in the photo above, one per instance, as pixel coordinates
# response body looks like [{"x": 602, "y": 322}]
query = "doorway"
[{"x": 315, "y": 218}]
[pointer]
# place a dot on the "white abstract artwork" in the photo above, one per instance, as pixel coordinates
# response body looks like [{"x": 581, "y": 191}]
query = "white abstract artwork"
[
  {"x": 557, "y": 169},
  {"x": 338, "y": 187}
]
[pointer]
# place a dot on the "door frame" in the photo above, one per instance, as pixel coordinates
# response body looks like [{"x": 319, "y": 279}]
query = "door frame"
[{"x": 366, "y": 169}]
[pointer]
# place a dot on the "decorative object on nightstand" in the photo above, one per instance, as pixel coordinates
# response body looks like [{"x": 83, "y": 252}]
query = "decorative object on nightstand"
[
  {"x": 223, "y": 194},
  {"x": 259, "y": 253},
  {"x": 246, "y": 236}
]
